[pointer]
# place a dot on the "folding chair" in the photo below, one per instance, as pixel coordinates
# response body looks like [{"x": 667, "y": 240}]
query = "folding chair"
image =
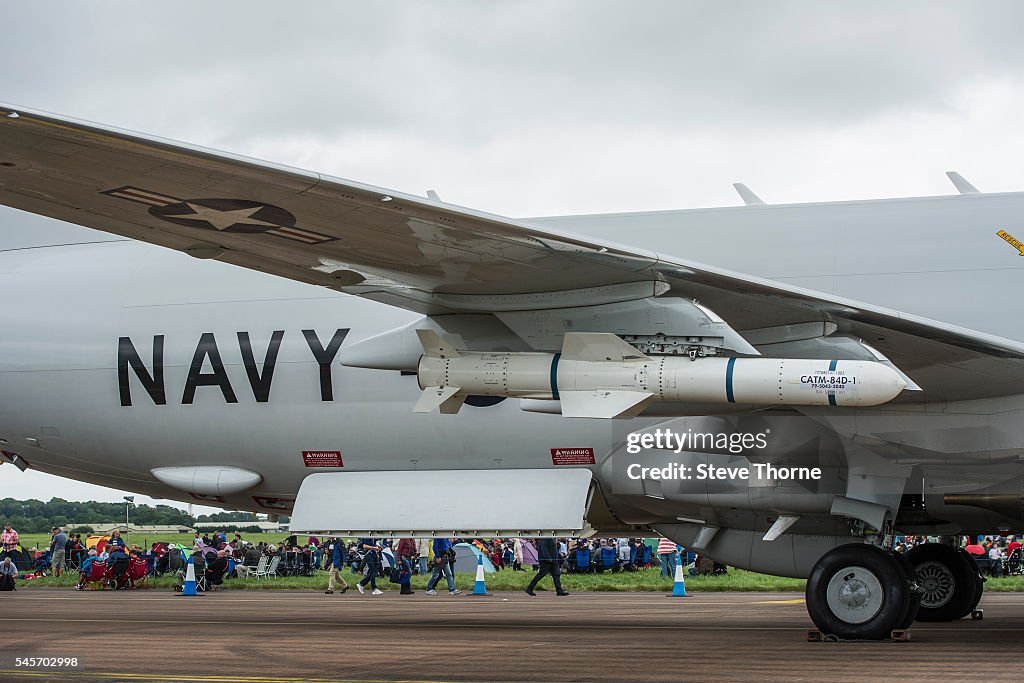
[{"x": 260, "y": 572}]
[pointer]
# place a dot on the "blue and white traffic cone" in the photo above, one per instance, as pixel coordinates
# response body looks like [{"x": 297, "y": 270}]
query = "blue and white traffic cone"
[
  {"x": 679, "y": 587},
  {"x": 190, "y": 577},
  {"x": 479, "y": 588}
]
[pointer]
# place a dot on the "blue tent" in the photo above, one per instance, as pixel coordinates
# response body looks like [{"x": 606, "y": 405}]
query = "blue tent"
[{"x": 466, "y": 560}]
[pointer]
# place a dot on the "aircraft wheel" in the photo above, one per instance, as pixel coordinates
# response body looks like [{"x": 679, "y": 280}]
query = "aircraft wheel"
[
  {"x": 949, "y": 580},
  {"x": 858, "y": 592},
  {"x": 979, "y": 583},
  {"x": 913, "y": 595}
]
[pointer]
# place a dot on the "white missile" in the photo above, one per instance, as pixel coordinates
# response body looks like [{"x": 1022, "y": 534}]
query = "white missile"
[{"x": 599, "y": 375}]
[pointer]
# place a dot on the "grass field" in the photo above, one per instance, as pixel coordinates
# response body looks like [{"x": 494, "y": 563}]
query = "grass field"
[{"x": 640, "y": 581}]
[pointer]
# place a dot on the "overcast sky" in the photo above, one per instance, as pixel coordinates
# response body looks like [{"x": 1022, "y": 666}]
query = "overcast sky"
[{"x": 550, "y": 107}]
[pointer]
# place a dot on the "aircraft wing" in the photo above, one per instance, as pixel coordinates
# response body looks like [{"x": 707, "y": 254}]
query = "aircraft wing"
[{"x": 422, "y": 254}]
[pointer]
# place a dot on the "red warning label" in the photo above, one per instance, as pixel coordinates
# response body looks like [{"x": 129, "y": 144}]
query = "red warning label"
[
  {"x": 572, "y": 456},
  {"x": 322, "y": 458}
]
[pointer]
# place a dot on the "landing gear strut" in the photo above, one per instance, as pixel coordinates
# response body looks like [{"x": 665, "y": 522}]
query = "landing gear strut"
[
  {"x": 950, "y": 581},
  {"x": 860, "y": 592}
]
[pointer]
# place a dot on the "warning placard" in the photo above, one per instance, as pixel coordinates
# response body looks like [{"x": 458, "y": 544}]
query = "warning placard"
[
  {"x": 322, "y": 458},
  {"x": 572, "y": 456}
]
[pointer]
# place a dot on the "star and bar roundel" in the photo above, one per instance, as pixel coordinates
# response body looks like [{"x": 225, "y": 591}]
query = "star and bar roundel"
[{"x": 222, "y": 215}]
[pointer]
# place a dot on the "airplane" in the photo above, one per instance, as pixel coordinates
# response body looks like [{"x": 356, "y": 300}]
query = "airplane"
[{"x": 782, "y": 387}]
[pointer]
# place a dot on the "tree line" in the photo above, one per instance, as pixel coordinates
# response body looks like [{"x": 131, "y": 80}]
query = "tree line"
[{"x": 35, "y": 516}]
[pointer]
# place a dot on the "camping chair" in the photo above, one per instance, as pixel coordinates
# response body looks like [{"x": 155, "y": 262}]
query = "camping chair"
[
  {"x": 581, "y": 561},
  {"x": 609, "y": 560},
  {"x": 116, "y": 575},
  {"x": 272, "y": 569},
  {"x": 1015, "y": 562},
  {"x": 214, "y": 573},
  {"x": 644, "y": 556},
  {"x": 287, "y": 564},
  {"x": 41, "y": 564},
  {"x": 138, "y": 572},
  {"x": 175, "y": 561},
  {"x": 97, "y": 570},
  {"x": 260, "y": 571}
]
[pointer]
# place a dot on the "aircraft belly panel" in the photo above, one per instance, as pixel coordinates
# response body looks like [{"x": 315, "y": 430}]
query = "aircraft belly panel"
[{"x": 443, "y": 503}]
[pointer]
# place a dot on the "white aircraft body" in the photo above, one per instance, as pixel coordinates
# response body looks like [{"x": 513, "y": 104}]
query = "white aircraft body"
[{"x": 257, "y": 337}]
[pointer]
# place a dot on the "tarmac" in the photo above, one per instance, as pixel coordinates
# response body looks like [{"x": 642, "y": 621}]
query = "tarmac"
[{"x": 277, "y": 636}]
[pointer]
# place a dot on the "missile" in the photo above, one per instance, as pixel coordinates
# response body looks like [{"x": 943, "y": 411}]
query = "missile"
[{"x": 598, "y": 375}]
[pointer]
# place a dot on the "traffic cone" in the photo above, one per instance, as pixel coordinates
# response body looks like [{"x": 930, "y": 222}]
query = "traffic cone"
[
  {"x": 479, "y": 588},
  {"x": 679, "y": 587},
  {"x": 190, "y": 577}
]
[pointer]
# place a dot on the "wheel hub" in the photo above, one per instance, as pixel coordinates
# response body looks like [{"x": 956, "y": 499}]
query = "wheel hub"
[
  {"x": 937, "y": 582},
  {"x": 855, "y": 594}
]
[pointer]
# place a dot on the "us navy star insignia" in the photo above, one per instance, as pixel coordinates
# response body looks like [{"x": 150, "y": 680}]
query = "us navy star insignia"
[
  {"x": 222, "y": 220},
  {"x": 222, "y": 214}
]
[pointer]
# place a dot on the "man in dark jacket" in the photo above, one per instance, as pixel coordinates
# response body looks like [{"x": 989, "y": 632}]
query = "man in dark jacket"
[
  {"x": 372, "y": 559},
  {"x": 337, "y": 564},
  {"x": 549, "y": 563}
]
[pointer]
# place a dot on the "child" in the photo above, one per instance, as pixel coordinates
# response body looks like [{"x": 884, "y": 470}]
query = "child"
[{"x": 86, "y": 568}]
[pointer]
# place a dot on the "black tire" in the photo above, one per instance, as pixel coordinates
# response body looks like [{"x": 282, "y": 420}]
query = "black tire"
[
  {"x": 913, "y": 595},
  {"x": 979, "y": 583},
  {"x": 857, "y": 592},
  {"x": 978, "y": 592},
  {"x": 949, "y": 580}
]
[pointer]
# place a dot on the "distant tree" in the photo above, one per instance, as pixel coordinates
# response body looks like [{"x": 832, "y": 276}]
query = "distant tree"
[
  {"x": 35, "y": 516},
  {"x": 230, "y": 516}
]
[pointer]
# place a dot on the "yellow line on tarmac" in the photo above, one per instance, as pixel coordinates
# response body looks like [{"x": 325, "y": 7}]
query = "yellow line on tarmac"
[
  {"x": 794, "y": 601},
  {"x": 115, "y": 676}
]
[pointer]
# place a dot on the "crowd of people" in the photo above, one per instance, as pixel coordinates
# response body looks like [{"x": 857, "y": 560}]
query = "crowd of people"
[
  {"x": 219, "y": 556},
  {"x": 994, "y": 555}
]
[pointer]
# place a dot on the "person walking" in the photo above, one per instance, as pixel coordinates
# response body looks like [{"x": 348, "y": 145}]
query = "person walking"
[
  {"x": 405, "y": 554},
  {"x": 517, "y": 555},
  {"x": 422, "y": 553},
  {"x": 337, "y": 560},
  {"x": 442, "y": 565},
  {"x": 372, "y": 560},
  {"x": 549, "y": 562}
]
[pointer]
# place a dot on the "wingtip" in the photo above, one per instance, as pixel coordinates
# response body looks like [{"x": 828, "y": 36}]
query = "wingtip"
[
  {"x": 747, "y": 195},
  {"x": 961, "y": 184}
]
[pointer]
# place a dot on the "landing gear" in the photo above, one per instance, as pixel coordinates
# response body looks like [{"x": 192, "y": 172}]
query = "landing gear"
[
  {"x": 950, "y": 581},
  {"x": 859, "y": 592}
]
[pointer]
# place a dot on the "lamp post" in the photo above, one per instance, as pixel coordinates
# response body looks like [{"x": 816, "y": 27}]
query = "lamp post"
[{"x": 128, "y": 500}]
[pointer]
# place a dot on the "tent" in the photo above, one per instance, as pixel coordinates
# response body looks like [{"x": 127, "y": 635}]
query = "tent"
[
  {"x": 21, "y": 558},
  {"x": 529, "y": 553},
  {"x": 98, "y": 542},
  {"x": 466, "y": 560}
]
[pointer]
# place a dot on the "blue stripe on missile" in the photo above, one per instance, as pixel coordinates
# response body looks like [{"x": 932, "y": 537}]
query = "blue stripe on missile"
[
  {"x": 728, "y": 380},
  {"x": 554, "y": 376},
  {"x": 832, "y": 395}
]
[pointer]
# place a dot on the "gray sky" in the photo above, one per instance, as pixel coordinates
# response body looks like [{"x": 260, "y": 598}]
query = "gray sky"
[{"x": 551, "y": 107}]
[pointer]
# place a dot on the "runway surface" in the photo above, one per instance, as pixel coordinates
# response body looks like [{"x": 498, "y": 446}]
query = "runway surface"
[{"x": 276, "y": 636}]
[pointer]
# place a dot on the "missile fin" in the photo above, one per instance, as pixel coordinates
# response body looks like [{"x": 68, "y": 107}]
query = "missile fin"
[
  {"x": 603, "y": 404},
  {"x": 598, "y": 347},
  {"x": 448, "y": 399},
  {"x": 434, "y": 346}
]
